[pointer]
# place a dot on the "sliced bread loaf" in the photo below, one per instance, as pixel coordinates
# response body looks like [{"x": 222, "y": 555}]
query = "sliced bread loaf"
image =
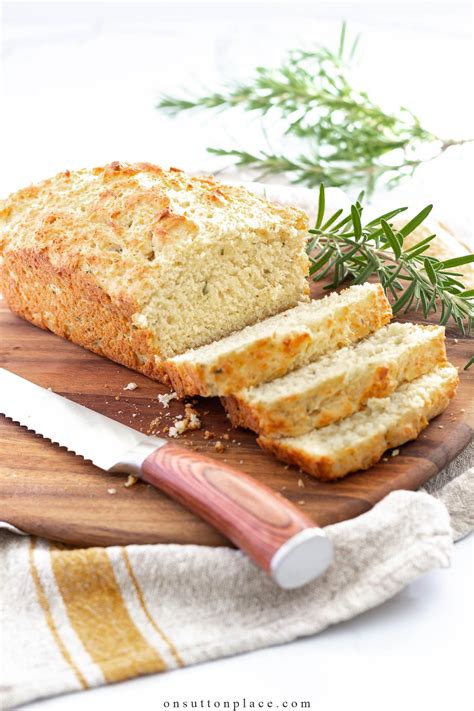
[
  {"x": 337, "y": 385},
  {"x": 359, "y": 441},
  {"x": 279, "y": 344},
  {"x": 138, "y": 263}
]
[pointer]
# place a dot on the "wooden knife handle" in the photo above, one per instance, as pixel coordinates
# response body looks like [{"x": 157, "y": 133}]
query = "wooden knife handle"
[{"x": 274, "y": 533}]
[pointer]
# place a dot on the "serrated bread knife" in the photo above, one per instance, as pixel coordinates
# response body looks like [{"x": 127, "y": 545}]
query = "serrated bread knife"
[{"x": 274, "y": 533}]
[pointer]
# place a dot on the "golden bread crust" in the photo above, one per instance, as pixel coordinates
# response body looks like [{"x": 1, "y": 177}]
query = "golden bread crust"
[
  {"x": 272, "y": 357},
  {"x": 338, "y": 397},
  {"x": 75, "y": 307},
  {"x": 123, "y": 239},
  {"x": 350, "y": 458},
  {"x": 109, "y": 196},
  {"x": 266, "y": 354},
  {"x": 291, "y": 421}
]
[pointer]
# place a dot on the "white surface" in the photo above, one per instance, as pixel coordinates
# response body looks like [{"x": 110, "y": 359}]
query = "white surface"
[{"x": 79, "y": 85}]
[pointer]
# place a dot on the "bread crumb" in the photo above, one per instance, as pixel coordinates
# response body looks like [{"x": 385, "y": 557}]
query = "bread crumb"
[
  {"x": 219, "y": 447},
  {"x": 166, "y": 398},
  {"x": 131, "y": 481},
  {"x": 462, "y": 410},
  {"x": 301, "y": 503},
  {"x": 385, "y": 459},
  {"x": 153, "y": 424},
  {"x": 117, "y": 397},
  {"x": 134, "y": 414},
  {"x": 131, "y": 386},
  {"x": 441, "y": 427},
  {"x": 456, "y": 340},
  {"x": 283, "y": 488},
  {"x": 241, "y": 461},
  {"x": 395, "y": 453},
  {"x": 287, "y": 466},
  {"x": 190, "y": 421},
  {"x": 192, "y": 416},
  {"x": 208, "y": 435},
  {"x": 301, "y": 483},
  {"x": 226, "y": 437},
  {"x": 178, "y": 428},
  {"x": 111, "y": 491}
]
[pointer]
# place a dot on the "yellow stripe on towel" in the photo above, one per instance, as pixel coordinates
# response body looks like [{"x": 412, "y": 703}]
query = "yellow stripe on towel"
[
  {"x": 99, "y": 616},
  {"x": 174, "y": 652},
  {"x": 43, "y": 601}
]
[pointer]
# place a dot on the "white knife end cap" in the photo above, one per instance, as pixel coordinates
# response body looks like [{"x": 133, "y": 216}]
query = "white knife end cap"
[{"x": 302, "y": 558}]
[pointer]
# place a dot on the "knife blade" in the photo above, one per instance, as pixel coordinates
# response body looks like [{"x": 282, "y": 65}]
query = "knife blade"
[
  {"x": 275, "y": 534},
  {"x": 81, "y": 430}
]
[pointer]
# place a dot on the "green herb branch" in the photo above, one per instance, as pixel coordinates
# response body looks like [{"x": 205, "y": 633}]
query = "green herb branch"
[
  {"x": 343, "y": 247},
  {"x": 344, "y": 137}
]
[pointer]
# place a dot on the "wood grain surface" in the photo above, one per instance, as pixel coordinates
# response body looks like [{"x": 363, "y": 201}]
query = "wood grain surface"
[{"x": 48, "y": 491}]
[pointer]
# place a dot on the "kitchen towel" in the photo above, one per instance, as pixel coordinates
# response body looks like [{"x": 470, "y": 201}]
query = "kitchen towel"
[
  {"x": 77, "y": 618},
  {"x": 71, "y": 619}
]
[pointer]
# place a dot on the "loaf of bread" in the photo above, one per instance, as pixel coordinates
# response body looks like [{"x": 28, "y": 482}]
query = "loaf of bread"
[
  {"x": 337, "y": 385},
  {"x": 360, "y": 440},
  {"x": 280, "y": 344},
  {"x": 139, "y": 264}
]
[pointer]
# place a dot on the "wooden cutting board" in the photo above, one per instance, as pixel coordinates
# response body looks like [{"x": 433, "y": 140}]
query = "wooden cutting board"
[{"x": 50, "y": 492}]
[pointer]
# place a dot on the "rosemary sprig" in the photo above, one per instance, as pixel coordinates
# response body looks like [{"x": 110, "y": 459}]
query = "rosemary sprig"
[
  {"x": 344, "y": 137},
  {"x": 343, "y": 247}
]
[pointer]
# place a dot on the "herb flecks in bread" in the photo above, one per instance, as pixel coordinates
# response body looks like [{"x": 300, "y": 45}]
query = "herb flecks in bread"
[
  {"x": 338, "y": 385},
  {"x": 279, "y": 344},
  {"x": 139, "y": 263},
  {"x": 360, "y": 440}
]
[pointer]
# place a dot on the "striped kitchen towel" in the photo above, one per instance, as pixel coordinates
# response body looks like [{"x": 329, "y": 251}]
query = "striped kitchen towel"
[{"x": 77, "y": 618}]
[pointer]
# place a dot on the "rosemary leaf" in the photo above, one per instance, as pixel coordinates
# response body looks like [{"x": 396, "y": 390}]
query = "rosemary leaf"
[
  {"x": 348, "y": 249},
  {"x": 343, "y": 137},
  {"x": 321, "y": 206}
]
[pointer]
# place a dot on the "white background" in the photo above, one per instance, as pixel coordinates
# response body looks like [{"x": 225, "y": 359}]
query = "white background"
[{"x": 80, "y": 81}]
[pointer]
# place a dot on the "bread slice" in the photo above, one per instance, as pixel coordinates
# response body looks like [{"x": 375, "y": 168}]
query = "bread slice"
[
  {"x": 279, "y": 344},
  {"x": 359, "y": 441},
  {"x": 337, "y": 385},
  {"x": 138, "y": 263}
]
